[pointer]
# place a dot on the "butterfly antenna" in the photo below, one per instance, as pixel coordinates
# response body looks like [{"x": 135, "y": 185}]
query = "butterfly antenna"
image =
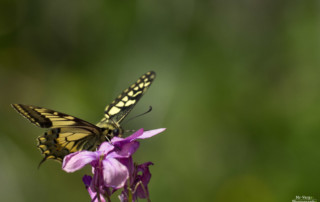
[
  {"x": 149, "y": 110},
  {"x": 109, "y": 140},
  {"x": 129, "y": 131}
]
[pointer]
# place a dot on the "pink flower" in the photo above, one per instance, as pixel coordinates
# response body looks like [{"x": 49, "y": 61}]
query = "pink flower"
[
  {"x": 110, "y": 163},
  {"x": 139, "y": 179}
]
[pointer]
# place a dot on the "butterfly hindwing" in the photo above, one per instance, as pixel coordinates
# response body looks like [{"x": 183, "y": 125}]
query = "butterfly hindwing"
[
  {"x": 125, "y": 102},
  {"x": 59, "y": 142}
]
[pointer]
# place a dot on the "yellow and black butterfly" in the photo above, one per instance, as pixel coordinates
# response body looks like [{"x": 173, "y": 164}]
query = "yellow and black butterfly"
[{"x": 69, "y": 134}]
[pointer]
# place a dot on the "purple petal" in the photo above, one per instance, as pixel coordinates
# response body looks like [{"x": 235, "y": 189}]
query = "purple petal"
[
  {"x": 124, "y": 150},
  {"x": 150, "y": 133},
  {"x": 135, "y": 135},
  {"x": 115, "y": 174},
  {"x": 141, "y": 193},
  {"x": 78, "y": 160},
  {"x": 97, "y": 180},
  {"x": 87, "y": 180},
  {"x": 146, "y": 175},
  {"x": 117, "y": 139},
  {"x": 144, "y": 178},
  {"x": 130, "y": 138},
  {"x": 128, "y": 162},
  {"x": 106, "y": 147},
  {"x": 93, "y": 194}
]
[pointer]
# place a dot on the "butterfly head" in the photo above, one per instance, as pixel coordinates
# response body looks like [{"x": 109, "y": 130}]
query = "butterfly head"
[
  {"x": 110, "y": 130},
  {"x": 116, "y": 132}
]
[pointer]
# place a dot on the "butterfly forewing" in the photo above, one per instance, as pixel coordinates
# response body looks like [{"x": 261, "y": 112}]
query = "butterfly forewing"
[
  {"x": 125, "y": 102},
  {"x": 47, "y": 118}
]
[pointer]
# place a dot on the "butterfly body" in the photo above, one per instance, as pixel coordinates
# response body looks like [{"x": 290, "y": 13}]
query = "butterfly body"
[{"x": 68, "y": 134}]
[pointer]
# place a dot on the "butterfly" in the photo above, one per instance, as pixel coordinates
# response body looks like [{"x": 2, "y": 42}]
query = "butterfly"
[{"x": 68, "y": 134}]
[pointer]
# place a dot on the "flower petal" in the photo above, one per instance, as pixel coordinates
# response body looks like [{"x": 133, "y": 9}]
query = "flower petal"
[
  {"x": 135, "y": 135},
  {"x": 115, "y": 174},
  {"x": 144, "y": 178},
  {"x": 87, "y": 180},
  {"x": 94, "y": 196},
  {"x": 106, "y": 147},
  {"x": 78, "y": 160},
  {"x": 128, "y": 162},
  {"x": 146, "y": 175},
  {"x": 130, "y": 138},
  {"x": 124, "y": 150},
  {"x": 150, "y": 133}
]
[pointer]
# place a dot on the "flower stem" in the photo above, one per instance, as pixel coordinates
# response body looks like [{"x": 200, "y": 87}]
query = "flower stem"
[
  {"x": 108, "y": 198},
  {"x": 129, "y": 191},
  {"x": 144, "y": 190},
  {"x": 107, "y": 194}
]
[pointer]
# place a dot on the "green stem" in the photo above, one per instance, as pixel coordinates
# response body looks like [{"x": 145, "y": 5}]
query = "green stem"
[
  {"x": 129, "y": 191},
  {"x": 108, "y": 198},
  {"x": 143, "y": 188}
]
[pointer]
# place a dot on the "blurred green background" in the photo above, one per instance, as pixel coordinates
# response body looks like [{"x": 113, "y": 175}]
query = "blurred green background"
[{"x": 237, "y": 89}]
